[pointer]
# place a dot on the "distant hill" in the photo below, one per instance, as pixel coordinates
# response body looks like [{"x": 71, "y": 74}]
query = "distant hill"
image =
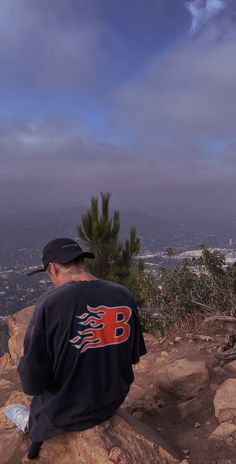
[{"x": 23, "y": 236}]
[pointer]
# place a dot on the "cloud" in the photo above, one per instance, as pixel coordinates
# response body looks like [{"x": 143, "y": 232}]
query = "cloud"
[
  {"x": 57, "y": 163},
  {"x": 202, "y": 11},
  {"x": 183, "y": 111},
  {"x": 51, "y": 44},
  {"x": 189, "y": 91},
  {"x": 176, "y": 121}
]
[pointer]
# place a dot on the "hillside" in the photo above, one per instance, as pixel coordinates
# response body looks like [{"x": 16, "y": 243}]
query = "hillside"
[{"x": 181, "y": 407}]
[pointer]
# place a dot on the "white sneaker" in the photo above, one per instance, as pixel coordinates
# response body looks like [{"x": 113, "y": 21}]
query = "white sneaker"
[{"x": 18, "y": 414}]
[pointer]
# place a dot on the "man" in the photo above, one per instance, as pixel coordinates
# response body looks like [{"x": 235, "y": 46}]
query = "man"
[{"x": 79, "y": 347}]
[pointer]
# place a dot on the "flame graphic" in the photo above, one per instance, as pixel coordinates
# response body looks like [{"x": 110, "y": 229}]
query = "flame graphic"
[{"x": 101, "y": 327}]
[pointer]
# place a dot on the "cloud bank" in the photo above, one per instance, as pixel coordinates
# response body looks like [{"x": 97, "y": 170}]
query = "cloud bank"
[{"x": 167, "y": 142}]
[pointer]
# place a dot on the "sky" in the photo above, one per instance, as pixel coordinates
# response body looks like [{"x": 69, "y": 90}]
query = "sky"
[{"x": 133, "y": 97}]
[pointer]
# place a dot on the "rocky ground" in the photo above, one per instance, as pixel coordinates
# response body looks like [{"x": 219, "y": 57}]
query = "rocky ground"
[{"x": 181, "y": 408}]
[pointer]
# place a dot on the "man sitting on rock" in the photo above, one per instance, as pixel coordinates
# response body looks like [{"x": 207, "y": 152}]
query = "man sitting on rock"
[{"x": 79, "y": 347}]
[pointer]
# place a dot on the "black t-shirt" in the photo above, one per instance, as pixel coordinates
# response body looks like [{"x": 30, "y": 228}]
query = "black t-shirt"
[{"x": 79, "y": 349}]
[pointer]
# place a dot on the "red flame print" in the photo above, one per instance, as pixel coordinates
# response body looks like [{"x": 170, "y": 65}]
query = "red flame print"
[{"x": 105, "y": 326}]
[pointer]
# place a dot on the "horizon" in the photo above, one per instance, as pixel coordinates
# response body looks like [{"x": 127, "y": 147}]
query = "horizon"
[
  {"x": 29, "y": 214},
  {"x": 137, "y": 100}
]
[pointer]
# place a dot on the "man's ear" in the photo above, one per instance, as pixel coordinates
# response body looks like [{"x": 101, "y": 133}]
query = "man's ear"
[{"x": 53, "y": 269}]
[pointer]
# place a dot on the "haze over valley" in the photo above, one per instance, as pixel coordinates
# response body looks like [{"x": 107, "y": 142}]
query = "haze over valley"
[{"x": 23, "y": 237}]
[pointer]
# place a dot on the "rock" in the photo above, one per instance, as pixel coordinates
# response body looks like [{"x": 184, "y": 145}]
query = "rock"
[
  {"x": 17, "y": 324},
  {"x": 147, "y": 364},
  {"x": 5, "y": 384},
  {"x": 164, "y": 354},
  {"x": 219, "y": 371},
  {"x": 197, "y": 425},
  {"x": 225, "y": 401},
  {"x": 5, "y": 362},
  {"x": 189, "y": 407},
  {"x": 151, "y": 342},
  {"x": 177, "y": 339},
  {"x": 144, "y": 387},
  {"x": 138, "y": 402},
  {"x": 231, "y": 367},
  {"x": 214, "y": 387},
  {"x": 202, "y": 338},
  {"x": 225, "y": 432},
  {"x": 117, "y": 455},
  {"x": 183, "y": 378},
  {"x": 13, "y": 445},
  {"x": 136, "y": 394},
  {"x": 120, "y": 440}
]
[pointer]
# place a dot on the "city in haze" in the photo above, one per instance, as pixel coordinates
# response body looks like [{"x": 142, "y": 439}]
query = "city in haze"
[{"x": 135, "y": 97}]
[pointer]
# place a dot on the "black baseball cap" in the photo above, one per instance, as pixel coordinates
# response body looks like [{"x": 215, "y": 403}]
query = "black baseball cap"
[{"x": 61, "y": 251}]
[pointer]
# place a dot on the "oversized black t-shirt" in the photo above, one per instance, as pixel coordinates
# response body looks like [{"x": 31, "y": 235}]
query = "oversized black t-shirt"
[{"x": 79, "y": 349}]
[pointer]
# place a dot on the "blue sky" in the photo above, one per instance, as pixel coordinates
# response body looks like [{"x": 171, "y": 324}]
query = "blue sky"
[{"x": 133, "y": 97}]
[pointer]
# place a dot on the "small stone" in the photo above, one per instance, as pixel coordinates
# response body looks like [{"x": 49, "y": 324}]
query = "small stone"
[
  {"x": 197, "y": 425},
  {"x": 177, "y": 339},
  {"x": 185, "y": 451},
  {"x": 116, "y": 455},
  {"x": 160, "y": 403},
  {"x": 164, "y": 354}
]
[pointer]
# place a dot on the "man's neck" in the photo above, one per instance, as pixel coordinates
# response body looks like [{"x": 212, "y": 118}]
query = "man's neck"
[{"x": 78, "y": 276}]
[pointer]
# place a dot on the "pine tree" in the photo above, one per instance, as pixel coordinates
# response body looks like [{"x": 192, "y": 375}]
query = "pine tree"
[{"x": 100, "y": 233}]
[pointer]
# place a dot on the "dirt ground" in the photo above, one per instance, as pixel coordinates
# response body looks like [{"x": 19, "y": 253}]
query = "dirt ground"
[{"x": 189, "y": 437}]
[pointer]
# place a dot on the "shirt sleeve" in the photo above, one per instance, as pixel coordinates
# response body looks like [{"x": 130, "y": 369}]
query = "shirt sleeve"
[
  {"x": 35, "y": 367},
  {"x": 139, "y": 347}
]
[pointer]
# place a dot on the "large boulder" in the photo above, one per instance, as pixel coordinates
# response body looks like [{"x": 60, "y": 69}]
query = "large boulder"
[
  {"x": 225, "y": 401},
  {"x": 183, "y": 378},
  {"x": 120, "y": 440},
  {"x": 17, "y": 325}
]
